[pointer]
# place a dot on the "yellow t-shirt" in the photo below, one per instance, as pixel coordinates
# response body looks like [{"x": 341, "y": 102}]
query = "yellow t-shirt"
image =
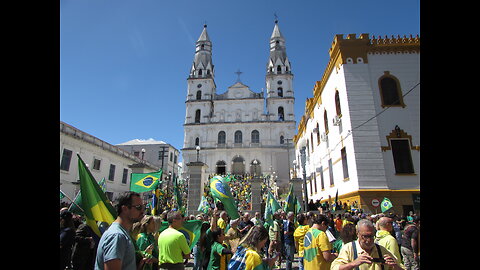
[
  {"x": 315, "y": 242},
  {"x": 299, "y": 236},
  {"x": 346, "y": 256},
  {"x": 253, "y": 261},
  {"x": 222, "y": 223}
]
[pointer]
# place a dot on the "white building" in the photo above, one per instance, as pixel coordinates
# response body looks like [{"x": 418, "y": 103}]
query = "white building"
[
  {"x": 103, "y": 160},
  {"x": 361, "y": 130},
  {"x": 158, "y": 153},
  {"x": 241, "y": 126}
]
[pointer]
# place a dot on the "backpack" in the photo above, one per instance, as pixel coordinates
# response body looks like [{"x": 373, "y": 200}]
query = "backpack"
[{"x": 354, "y": 246}]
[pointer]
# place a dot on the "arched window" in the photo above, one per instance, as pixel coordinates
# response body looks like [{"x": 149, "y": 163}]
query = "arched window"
[
  {"x": 197, "y": 141},
  {"x": 197, "y": 116},
  {"x": 281, "y": 116},
  {"x": 390, "y": 91},
  {"x": 199, "y": 72},
  {"x": 238, "y": 137},
  {"x": 280, "y": 91},
  {"x": 279, "y": 69},
  {"x": 199, "y": 95},
  {"x": 318, "y": 133},
  {"x": 325, "y": 121},
  {"x": 255, "y": 136},
  {"x": 282, "y": 139},
  {"x": 337, "y": 103},
  {"x": 221, "y": 137}
]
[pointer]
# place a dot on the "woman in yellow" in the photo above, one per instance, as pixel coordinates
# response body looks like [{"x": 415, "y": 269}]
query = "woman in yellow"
[
  {"x": 253, "y": 243},
  {"x": 299, "y": 236}
]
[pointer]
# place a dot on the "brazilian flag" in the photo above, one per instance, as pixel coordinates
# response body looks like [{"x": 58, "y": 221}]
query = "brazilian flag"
[
  {"x": 143, "y": 182},
  {"x": 204, "y": 205},
  {"x": 386, "y": 204},
  {"x": 271, "y": 206},
  {"x": 290, "y": 201},
  {"x": 95, "y": 204},
  {"x": 221, "y": 190},
  {"x": 190, "y": 228}
]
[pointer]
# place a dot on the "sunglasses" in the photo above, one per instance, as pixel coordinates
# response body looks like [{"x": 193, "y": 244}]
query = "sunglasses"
[{"x": 139, "y": 207}]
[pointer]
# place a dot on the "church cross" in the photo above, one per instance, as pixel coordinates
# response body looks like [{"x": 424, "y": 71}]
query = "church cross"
[{"x": 238, "y": 74}]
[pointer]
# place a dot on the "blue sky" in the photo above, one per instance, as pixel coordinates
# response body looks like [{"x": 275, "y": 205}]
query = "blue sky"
[{"x": 124, "y": 63}]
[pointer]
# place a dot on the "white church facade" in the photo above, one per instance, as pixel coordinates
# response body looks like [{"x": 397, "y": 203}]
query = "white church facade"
[{"x": 241, "y": 130}]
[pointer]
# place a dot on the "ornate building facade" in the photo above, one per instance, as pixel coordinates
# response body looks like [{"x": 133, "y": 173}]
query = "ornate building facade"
[
  {"x": 360, "y": 134},
  {"x": 241, "y": 130}
]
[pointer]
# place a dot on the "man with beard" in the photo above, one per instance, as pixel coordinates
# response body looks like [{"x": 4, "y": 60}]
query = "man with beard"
[{"x": 116, "y": 250}]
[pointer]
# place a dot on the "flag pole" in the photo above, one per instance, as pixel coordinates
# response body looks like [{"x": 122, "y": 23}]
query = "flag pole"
[{"x": 72, "y": 201}]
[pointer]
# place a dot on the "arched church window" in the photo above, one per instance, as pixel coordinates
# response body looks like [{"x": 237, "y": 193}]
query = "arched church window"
[
  {"x": 197, "y": 141},
  {"x": 390, "y": 91},
  {"x": 238, "y": 137},
  {"x": 199, "y": 72},
  {"x": 221, "y": 137},
  {"x": 199, "y": 95},
  {"x": 279, "y": 69},
  {"x": 281, "y": 114},
  {"x": 197, "y": 116},
  {"x": 255, "y": 136},
  {"x": 325, "y": 121},
  {"x": 280, "y": 91},
  {"x": 337, "y": 103}
]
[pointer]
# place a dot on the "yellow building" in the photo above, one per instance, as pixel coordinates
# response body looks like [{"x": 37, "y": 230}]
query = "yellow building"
[{"x": 360, "y": 133}]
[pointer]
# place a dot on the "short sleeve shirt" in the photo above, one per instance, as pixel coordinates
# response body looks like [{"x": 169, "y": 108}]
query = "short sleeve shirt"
[
  {"x": 115, "y": 243},
  {"x": 315, "y": 242},
  {"x": 299, "y": 236},
  {"x": 218, "y": 261},
  {"x": 172, "y": 244},
  {"x": 273, "y": 231},
  {"x": 346, "y": 256},
  {"x": 253, "y": 261}
]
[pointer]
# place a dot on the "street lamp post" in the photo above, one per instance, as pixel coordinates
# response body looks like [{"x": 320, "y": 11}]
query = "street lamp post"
[
  {"x": 304, "y": 172},
  {"x": 143, "y": 153},
  {"x": 198, "y": 151}
]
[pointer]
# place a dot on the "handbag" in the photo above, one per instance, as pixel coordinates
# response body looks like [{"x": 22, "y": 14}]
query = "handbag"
[{"x": 237, "y": 262}]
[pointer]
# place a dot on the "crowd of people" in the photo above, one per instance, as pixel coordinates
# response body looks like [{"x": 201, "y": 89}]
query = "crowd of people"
[
  {"x": 320, "y": 240},
  {"x": 240, "y": 187}
]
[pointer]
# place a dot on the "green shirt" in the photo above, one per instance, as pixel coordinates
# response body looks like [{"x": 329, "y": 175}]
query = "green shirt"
[
  {"x": 144, "y": 240},
  {"x": 218, "y": 261},
  {"x": 172, "y": 245}
]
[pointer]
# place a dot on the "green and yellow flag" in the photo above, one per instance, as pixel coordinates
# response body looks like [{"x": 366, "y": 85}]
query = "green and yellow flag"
[
  {"x": 76, "y": 207},
  {"x": 190, "y": 228},
  {"x": 290, "y": 201},
  {"x": 95, "y": 204},
  {"x": 221, "y": 190},
  {"x": 271, "y": 206},
  {"x": 143, "y": 182},
  {"x": 204, "y": 205},
  {"x": 386, "y": 204}
]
